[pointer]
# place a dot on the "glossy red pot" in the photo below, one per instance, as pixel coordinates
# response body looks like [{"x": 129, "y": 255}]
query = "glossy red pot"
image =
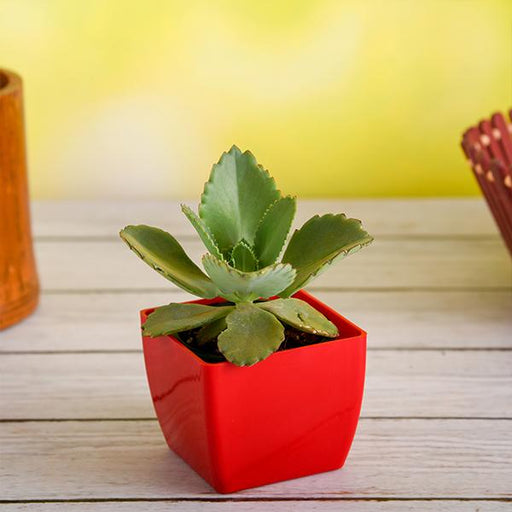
[{"x": 291, "y": 415}]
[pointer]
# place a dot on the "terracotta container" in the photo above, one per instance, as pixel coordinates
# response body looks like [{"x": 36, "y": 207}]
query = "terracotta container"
[
  {"x": 291, "y": 415},
  {"x": 19, "y": 287}
]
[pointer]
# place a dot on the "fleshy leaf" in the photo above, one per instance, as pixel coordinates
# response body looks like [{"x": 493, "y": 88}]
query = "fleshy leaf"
[
  {"x": 210, "y": 331},
  {"x": 162, "y": 252},
  {"x": 182, "y": 317},
  {"x": 243, "y": 258},
  {"x": 273, "y": 230},
  {"x": 319, "y": 242},
  {"x": 202, "y": 230},
  {"x": 235, "y": 198},
  {"x": 301, "y": 315},
  {"x": 251, "y": 336},
  {"x": 238, "y": 286}
]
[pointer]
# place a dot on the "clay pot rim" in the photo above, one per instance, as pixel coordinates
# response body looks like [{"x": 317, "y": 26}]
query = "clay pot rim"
[{"x": 9, "y": 82}]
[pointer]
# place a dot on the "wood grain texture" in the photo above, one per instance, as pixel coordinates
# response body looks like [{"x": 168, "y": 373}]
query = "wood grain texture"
[
  {"x": 18, "y": 279},
  {"x": 438, "y": 278},
  {"x": 347, "y": 505},
  {"x": 462, "y": 217},
  {"x": 393, "y": 319},
  {"x": 398, "y": 384},
  {"x": 389, "y": 459},
  {"x": 463, "y": 264}
]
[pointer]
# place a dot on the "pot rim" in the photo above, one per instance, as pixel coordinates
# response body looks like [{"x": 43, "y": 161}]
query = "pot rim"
[
  {"x": 332, "y": 314},
  {"x": 9, "y": 82}
]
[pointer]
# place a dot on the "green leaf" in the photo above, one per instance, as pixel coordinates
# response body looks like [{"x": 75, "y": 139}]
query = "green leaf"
[
  {"x": 235, "y": 198},
  {"x": 301, "y": 315},
  {"x": 163, "y": 253},
  {"x": 210, "y": 331},
  {"x": 319, "y": 242},
  {"x": 243, "y": 258},
  {"x": 238, "y": 286},
  {"x": 273, "y": 230},
  {"x": 252, "y": 335},
  {"x": 182, "y": 317},
  {"x": 202, "y": 230}
]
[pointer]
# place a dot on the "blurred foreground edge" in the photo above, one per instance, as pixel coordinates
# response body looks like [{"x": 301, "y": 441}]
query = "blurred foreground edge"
[
  {"x": 19, "y": 287},
  {"x": 488, "y": 148}
]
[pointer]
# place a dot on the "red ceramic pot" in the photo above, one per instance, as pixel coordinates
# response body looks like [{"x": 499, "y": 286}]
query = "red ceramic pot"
[{"x": 291, "y": 415}]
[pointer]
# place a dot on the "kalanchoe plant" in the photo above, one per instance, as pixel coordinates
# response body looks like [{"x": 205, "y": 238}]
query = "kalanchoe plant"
[{"x": 244, "y": 221}]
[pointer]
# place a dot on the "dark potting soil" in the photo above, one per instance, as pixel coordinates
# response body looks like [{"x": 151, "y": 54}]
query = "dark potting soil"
[{"x": 210, "y": 353}]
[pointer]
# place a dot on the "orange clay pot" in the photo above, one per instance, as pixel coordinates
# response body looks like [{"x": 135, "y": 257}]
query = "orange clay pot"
[{"x": 19, "y": 288}]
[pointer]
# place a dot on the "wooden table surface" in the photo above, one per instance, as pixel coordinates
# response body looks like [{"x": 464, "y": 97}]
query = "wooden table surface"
[{"x": 434, "y": 292}]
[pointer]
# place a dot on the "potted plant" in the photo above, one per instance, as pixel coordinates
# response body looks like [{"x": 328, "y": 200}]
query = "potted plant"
[{"x": 258, "y": 381}]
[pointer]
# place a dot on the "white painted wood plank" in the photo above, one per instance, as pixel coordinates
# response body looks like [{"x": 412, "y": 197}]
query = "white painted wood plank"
[
  {"x": 463, "y": 264},
  {"x": 397, "y": 458},
  {"x": 410, "y": 319},
  {"x": 389, "y": 458},
  {"x": 398, "y": 384},
  {"x": 459, "y": 216},
  {"x": 74, "y": 386},
  {"x": 346, "y": 505},
  {"x": 402, "y": 319}
]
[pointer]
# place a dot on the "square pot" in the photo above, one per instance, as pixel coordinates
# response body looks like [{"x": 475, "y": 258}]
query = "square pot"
[{"x": 291, "y": 415}]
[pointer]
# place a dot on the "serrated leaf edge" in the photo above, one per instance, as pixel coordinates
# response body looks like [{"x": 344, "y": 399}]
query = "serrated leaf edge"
[
  {"x": 214, "y": 168},
  {"x": 265, "y": 214},
  {"x": 198, "y": 292},
  {"x": 340, "y": 255},
  {"x": 250, "y": 249},
  {"x": 223, "y": 311},
  {"x": 244, "y": 274},
  {"x": 309, "y": 328},
  {"x": 264, "y": 356},
  {"x": 207, "y": 231}
]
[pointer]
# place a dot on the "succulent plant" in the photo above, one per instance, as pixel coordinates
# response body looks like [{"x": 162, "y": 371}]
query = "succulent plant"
[{"x": 244, "y": 222}]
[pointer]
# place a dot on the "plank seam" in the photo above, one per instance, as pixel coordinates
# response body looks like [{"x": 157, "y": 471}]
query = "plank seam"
[
  {"x": 264, "y": 499},
  {"x": 370, "y": 418},
  {"x": 139, "y": 351}
]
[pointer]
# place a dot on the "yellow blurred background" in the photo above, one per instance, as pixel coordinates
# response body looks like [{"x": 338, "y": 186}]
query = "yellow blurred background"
[{"x": 336, "y": 98}]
